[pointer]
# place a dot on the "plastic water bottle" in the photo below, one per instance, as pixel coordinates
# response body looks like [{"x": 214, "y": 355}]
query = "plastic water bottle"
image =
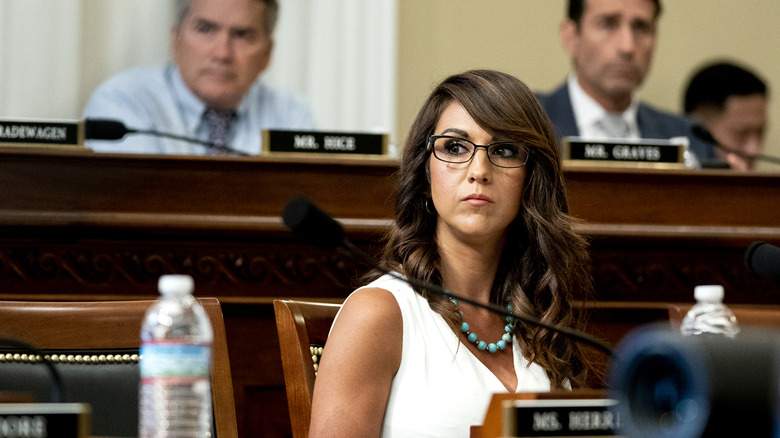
[
  {"x": 175, "y": 392},
  {"x": 709, "y": 314}
]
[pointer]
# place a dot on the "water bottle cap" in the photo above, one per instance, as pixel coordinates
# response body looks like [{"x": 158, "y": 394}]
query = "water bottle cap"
[
  {"x": 712, "y": 292},
  {"x": 176, "y": 285}
]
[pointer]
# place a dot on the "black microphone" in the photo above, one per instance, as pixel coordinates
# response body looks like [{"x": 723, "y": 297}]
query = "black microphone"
[
  {"x": 106, "y": 129},
  {"x": 705, "y": 135},
  {"x": 763, "y": 258},
  {"x": 308, "y": 221}
]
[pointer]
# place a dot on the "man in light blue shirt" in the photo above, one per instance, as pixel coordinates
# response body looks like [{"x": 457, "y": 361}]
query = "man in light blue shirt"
[{"x": 212, "y": 90}]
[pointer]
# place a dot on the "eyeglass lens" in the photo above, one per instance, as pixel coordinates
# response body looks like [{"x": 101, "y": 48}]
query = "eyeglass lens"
[{"x": 459, "y": 150}]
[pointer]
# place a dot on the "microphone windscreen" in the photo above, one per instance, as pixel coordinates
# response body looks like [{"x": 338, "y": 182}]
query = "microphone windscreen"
[
  {"x": 308, "y": 221},
  {"x": 763, "y": 259},
  {"x": 104, "y": 129}
]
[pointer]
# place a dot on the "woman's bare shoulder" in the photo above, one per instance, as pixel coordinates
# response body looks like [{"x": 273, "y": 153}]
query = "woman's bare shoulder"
[{"x": 371, "y": 308}]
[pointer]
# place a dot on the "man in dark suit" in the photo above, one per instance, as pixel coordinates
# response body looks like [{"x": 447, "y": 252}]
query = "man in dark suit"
[{"x": 611, "y": 45}]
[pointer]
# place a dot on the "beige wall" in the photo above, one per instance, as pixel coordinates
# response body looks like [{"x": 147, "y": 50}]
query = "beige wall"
[{"x": 441, "y": 37}]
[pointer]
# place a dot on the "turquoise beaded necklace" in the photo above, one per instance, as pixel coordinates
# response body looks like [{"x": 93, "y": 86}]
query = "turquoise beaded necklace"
[{"x": 482, "y": 345}]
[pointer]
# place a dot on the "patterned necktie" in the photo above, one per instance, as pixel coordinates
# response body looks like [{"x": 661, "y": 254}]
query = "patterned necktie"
[
  {"x": 219, "y": 122},
  {"x": 614, "y": 126}
]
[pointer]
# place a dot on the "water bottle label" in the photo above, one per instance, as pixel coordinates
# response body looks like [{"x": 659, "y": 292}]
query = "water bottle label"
[{"x": 175, "y": 361}]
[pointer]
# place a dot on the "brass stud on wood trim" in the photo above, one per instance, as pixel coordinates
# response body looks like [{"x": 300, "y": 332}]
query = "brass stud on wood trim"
[{"x": 70, "y": 358}]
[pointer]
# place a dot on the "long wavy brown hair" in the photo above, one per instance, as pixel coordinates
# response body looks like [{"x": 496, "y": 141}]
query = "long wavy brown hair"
[{"x": 543, "y": 262}]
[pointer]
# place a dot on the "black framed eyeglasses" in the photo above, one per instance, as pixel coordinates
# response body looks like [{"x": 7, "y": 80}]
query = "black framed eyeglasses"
[{"x": 451, "y": 149}]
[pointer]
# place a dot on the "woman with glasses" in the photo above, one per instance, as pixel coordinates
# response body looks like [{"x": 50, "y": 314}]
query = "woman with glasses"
[{"x": 481, "y": 211}]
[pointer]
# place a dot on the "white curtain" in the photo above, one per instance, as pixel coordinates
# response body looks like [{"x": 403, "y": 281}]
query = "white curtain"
[
  {"x": 340, "y": 54},
  {"x": 38, "y": 77},
  {"x": 54, "y": 52}
]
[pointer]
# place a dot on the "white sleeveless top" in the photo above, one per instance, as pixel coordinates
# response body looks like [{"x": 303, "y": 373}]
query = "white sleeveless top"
[{"x": 441, "y": 389}]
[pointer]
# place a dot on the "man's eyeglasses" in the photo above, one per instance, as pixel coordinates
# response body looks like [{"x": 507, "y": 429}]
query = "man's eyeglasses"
[{"x": 459, "y": 150}]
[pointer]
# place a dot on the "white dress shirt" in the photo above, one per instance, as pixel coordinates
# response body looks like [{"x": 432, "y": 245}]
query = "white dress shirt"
[{"x": 589, "y": 114}]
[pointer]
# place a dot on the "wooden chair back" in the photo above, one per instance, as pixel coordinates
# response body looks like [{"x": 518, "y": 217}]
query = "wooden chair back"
[
  {"x": 115, "y": 325},
  {"x": 303, "y": 328}
]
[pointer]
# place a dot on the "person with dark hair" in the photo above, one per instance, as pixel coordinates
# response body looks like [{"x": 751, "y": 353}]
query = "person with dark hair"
[
  {"x": 212, "y": 91},
  {"x": 611, "y": 45},
  {"x": 731, "y": 102},
  {"x": 481, "y": 210}
]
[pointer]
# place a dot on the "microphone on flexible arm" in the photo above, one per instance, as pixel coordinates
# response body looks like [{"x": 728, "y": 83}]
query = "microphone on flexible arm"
[
  {"x": 705, "y": 135},
  {"x": 107, "y": 129},
  {"x": 319, "y": 228},
  {"x": 763, "y": 258}
]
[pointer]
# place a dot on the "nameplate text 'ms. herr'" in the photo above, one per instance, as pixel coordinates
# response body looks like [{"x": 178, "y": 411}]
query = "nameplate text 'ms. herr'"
[
  {"x": 643, "y": 153},
  {"x": 342, "y": 144},
  {"x": 560, "y": 418}
]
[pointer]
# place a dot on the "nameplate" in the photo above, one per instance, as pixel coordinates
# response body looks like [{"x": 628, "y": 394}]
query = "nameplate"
[
  {"x": 44, "y": 420},
  {"x": 319, "y": 143},
  {"x": 41, "y": 133},
  {"x": 560, "y": 418},
  {"x": 641, "y": 153}
]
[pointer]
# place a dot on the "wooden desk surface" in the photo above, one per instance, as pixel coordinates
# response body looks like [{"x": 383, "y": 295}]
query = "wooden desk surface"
[{"x": 238, "y": 191}]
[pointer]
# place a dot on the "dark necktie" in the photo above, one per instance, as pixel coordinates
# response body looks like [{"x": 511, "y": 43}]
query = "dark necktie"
[{"x": 219, "y": 122}]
